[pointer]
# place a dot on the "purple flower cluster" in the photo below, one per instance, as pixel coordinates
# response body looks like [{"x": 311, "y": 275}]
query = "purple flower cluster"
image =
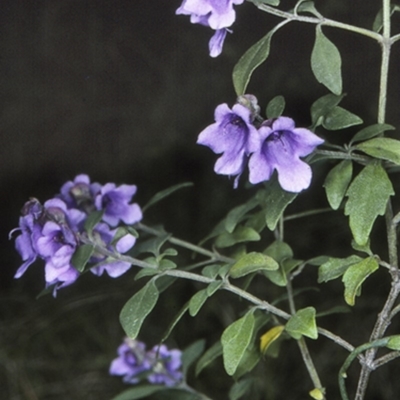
[
  {"x": 158, "y": 365},
  {"x": 275, "y": 144},
  {"x": 53, "y": 231},
  {"x": 216, "y": 14}
]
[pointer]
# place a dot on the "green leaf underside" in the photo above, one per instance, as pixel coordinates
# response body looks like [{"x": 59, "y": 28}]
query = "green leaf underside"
[
  {"x": 336, "y": 267},
  {"x": 165, "y": 193},
  {"x": 274, "y": 201},
  {"x": 383, "y": 148},
  {"x": 235, "y": 339},
  {"x": 208, "y": 357},
  {"x": 249, "y": 61},
  {"x": 197, "y": 301},
  {"x": 302, "y": 323},
  {"x": 81, "y": 256},
  {"x": 337, "y": 181},
  {"x": 275, "y": 107},
  {"x": 326, "y": 62},
  {"x": 139, "y": 392},
  {"x": 137, "y": 308},
  {"x": 368, "y": 195},
  {"x": 241, "y": 234},
  {"x": 339, "y": 118},
  {"x": 355, "y": 276},
  {"x": 371, "y": 131},
  {"x": 252, "y": 262}
]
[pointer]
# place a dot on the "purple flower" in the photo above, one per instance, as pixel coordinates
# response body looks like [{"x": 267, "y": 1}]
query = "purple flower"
[
  {"x": 80, "y": 193},
  {"x": 131, "y": 361},
  {"x": 114, "y": 201},
  {"x": 280, "y": 146},
  {"x": 234, "y": 135},
  {"x": 217, "y": 14},
  {"x": 166, "y": 365},
  {"x": 104, "y": 237}
]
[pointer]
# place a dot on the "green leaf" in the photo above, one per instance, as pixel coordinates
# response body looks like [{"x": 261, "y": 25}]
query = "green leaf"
[
  {"x": 173, "y": 323},
  {"x": 336, "y": 267},
  {"x": 302, "y": 323},
  {"x": 137, "y": 308},
  {"x": 383, "y": 148},
  {"x": 371, "y": 131},
  {"x": 308, "y": 6},
  {"x": 326, "y": 62},
  {"x": 240, "y": 388},
  {"x": 81, "y": 256},
  {"x": 368, "y": 196},
  {"x": 274, "y": 201},
  {"x": 211, "y": 271},
  {"x": 334, "y": 310},
  {"x": 269, "y": 2},
  {"x": 197, "y": 301},
  {"x": 213, "y": 287},
  {"x": 208, "y": 357},
  {"x": 139, "y": 392},
  {"x": 275, "y": 107},
  {"x": 355, "y": 276},
  {"x": 192, "y": 353},
  {"x": 337, "y": 181},
  {"x": 322, "y": 107},
  {"x": 236, "y": 215},
  {"x": 252, "y": 262},
  {"x": 235, "y": 340},
  {"x": 165, "y": 193},
  {"x": 249, "y": 61},
  {"x": 339, "y": 118},
  {"x": 279, "y": 251},
  {"x": 250, "y": 359},
  {"x": 240, "y": 234},
  {"x": 92, "y": 220}
]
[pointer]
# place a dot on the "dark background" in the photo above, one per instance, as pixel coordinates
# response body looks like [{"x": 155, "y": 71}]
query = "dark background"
[{"x": 120, "y": 90}]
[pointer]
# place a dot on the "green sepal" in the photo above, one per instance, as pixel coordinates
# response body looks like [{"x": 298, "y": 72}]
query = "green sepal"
[
  {"x": 302, "y": 323},
  {"x": 326, "y": 62},
  {"x": 355, "y": 275},
  {"x": 383, "y": 148},
  {"x": 137, "y": 308},
  {"x": 81, "y": 256},
  {"x": 368, "y": 195},
  {"x": 252, "y": 262},
  {"x": 235, "y": 339},
  {"x": 337, "y": 182}
]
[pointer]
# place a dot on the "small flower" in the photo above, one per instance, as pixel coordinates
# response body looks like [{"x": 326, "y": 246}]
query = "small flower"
[
  {"x": 234, "y": 135},
  {"x": 217, "y": 14},
  {"x": 280, "y": 146},
  {"x": 114, "y": 201},
  {"x": 104, "y": 237},
  {"x": 131, "y": 361},
  {"x": 166, "y": 365}
]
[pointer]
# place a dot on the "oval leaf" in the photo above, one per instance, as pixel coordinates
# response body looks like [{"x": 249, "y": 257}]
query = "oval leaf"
[
  {"x": 275, "y": 107},
  {"x": 303, "y": 323},
  {"x": 137, "y": 308},
  {"x": 337, "y": 181},
  {"x": 252, "y": 262},
  {"x": 235, "y": 340},
  {"x": 335, "y": 267},
  {"x": 322, "y": 107},
  {"x": 326, "y": 63},
  {"x": 339, "y": 118},
  {"x": 394, "y": 343},
  {"x": 249, "y": 61},
  {"x": 208, "y": 357},
  {"x": 241, "y": 234},
  {"x": 197, "y": 301},
  {"x": 81, "y": 256},
  {"x": 355, "y": 276},
  {"x": 368, "y": 195},
  {"x": 371, "y": 131},
  {"x": 384, "y": 148}
]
